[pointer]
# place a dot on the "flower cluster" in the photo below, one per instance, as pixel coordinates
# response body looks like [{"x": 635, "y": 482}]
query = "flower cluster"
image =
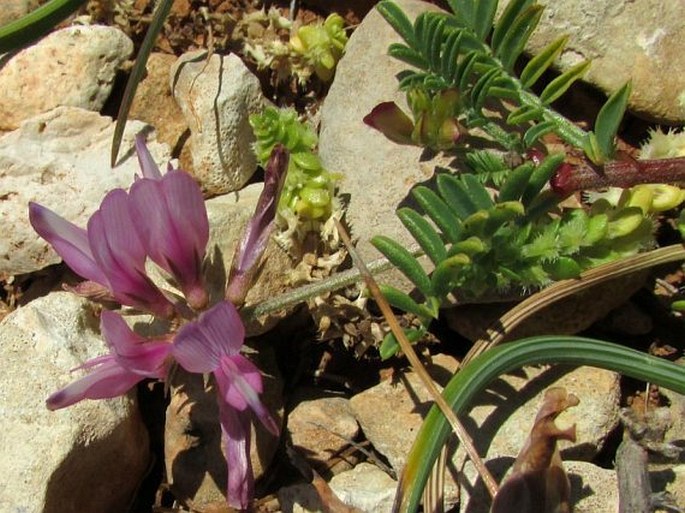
[{"x": 163, "y": 218}]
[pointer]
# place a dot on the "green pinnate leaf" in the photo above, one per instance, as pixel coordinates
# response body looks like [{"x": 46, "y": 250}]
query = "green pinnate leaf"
[
  {"x": 448, "y": 273},
  {"x": 524, "y": 114},
  {"x": 394, "y": 15},
  {"x": 479, "y": 195},
  {"x": 403, "y": 260},
  {"x": 506, "y": 20},
  {"x": 517, "y": 35},
  {"x": 608, "y": 121},
  {"x": 409, "y": 55},
  {"x": 390, "y": 346},
  {"x": 560, "y": 85},
  {"x": 541, "y": 62},
  {"x": 483, "y": 16},
  {"x": 534, "y": 133},
  {"x": 400, "y": 300},
  {"x": 424, "y": 233},
  {"x": 456, "y": 196},
  {"x": 540, "y": 176},
  {"x": 516, "y": 182},
  {"x": 439, "y": 212}
]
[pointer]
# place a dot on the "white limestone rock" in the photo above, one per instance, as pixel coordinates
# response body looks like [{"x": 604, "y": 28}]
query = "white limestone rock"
[
  {"x": 626, "y": 40},
  {"x": 75, "y": 66},
  {"x": 217, "y": 97},
  {"x": 59, "y": 159},
  {"x": 87, "y": 457},
  {"x": 365, "y": 487}
]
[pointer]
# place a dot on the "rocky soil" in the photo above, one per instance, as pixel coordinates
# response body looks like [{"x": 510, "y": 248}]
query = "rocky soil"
[{"x": 346, "y": 414}]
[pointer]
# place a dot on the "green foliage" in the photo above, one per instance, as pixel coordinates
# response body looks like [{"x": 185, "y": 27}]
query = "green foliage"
[
  {"x": 321, "y": 45},
  {"x": 308, "y": 191},
  {"x": 471, "y": 51},
  {"x": 472, "y": 379},
  {"x": 478, "y": 244}
]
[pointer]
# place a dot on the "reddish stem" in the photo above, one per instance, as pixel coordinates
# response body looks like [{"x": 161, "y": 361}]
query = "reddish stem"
[{"x": 618, "y": 173}]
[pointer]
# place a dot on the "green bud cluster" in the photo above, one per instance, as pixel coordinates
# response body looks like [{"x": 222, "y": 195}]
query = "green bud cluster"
[
  {"x": 321, "y": 45},
  {"x": 309, "y": 189}
]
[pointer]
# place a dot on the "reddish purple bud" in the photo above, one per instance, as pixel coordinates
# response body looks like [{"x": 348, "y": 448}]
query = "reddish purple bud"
[
  {"x": 390, "y": 120},
  {"x": 253, "y": 244}
]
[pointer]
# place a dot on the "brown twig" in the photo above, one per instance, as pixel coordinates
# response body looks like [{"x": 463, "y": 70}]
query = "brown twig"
[{"x": 417, "y": 366}]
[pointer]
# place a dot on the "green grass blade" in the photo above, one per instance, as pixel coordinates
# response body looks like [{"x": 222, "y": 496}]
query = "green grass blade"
[
  {"x": 474, "y": 377},
  {"x": 36, "y": 24},
  {"x": 137, "y": 74}
]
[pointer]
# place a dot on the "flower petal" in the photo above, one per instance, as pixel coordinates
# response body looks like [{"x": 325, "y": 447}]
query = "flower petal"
[
  {"x": 200, "y": 345},
  {"x": 235, "y": 430},
  {"x": 69, "y": 241},
  {"x": 389, "y": 119},
  {"x": 119, "y": 252},
  {"x": 108, "y": 380},
  {"x": 240, "y": 383},
  {"x": 174, "y": 227},
  {"x": 147, "y": 164},
  {"x": 135, "y": 353}
]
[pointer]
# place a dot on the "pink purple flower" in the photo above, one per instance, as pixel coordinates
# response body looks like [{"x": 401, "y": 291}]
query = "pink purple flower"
[
  {"x": 132, "y": 359},
  {"x": 212, "y": 344}
]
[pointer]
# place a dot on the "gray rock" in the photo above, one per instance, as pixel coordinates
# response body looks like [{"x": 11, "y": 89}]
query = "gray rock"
[
  {"x": 217, "y": 97},
  {"x": 365, "y": 487},
  {"x": 74, "y": 66},
  {"x": 378, "y": 173},
  {"x": 321, "y": 427},
  {"x": 88, "y": 457},
  {"x": 61, "y": 160},
  {"x": 390, "y": 415},
  {"x": 626, "y": 40}
]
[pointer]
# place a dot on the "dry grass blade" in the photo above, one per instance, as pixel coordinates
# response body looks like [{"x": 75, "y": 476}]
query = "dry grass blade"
[
  {"x": 496, "y": 332},
  {"x": 420, "y": 370}
]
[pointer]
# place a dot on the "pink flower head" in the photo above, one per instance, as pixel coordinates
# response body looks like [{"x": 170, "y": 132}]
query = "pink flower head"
[
  {"x": 109, "y": 252},
  {"x": 172, "y": 223},
  {"x": 132, "y": 359},
  {"x": 253, "y": 244},
  {"x": 212, "y": 344}
]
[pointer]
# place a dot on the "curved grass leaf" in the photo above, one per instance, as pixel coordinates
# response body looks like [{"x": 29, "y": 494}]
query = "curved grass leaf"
[
  {"x": 36, "y": 24},
  {"x": 439, "y": 212},
  {"x": 137, "y": 73},
  {"x": 560, "y": 85},
  {"x": 542, "y": 61},
  {"x": 475, "y": 376},
  {"x": 394, "y": 15},
  {"x": 517, "y": 35},
  {"x": 403, "y": 260},
  {"x": 609, "y": 119},
  {"x": 424, "y": 233}
]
